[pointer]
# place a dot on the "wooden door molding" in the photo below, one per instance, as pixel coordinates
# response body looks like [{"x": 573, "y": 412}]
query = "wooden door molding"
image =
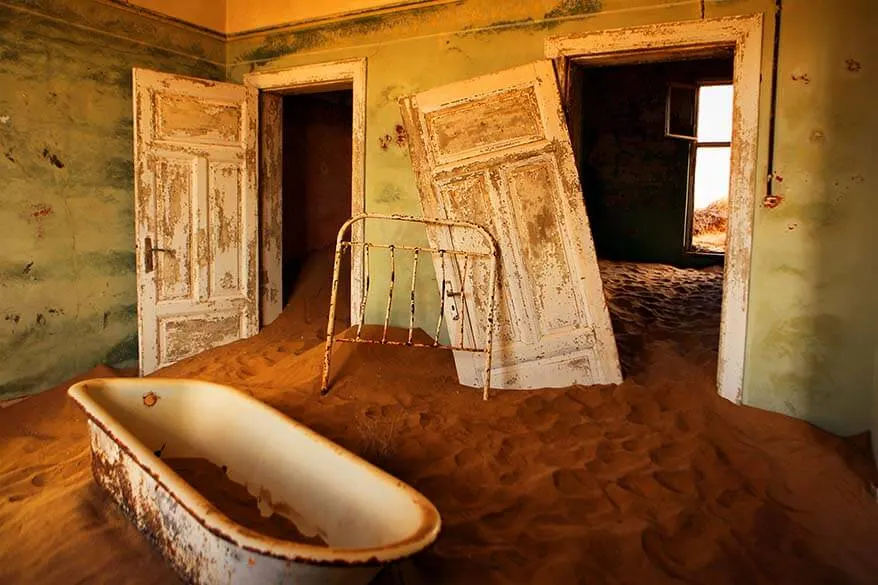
[
  {"x": 329, "y": 76},
  {"x": 195, "y": 213},
  {"x": 667, "y": 41}
]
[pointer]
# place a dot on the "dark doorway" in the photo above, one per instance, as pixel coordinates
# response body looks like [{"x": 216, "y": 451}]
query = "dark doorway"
[
  {"x": 637, "y": 179},
  {"x": 317, "y": 151}
]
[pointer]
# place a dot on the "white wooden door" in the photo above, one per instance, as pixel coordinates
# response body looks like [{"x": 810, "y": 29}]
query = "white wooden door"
[
  {"x": 196, "y": 215},
  {"x": 495, "y": 150}
]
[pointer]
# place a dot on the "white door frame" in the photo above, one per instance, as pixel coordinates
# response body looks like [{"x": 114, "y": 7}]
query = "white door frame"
[
  {"x": 317, "y": 77},
  {"x": 668, "y": 41}
]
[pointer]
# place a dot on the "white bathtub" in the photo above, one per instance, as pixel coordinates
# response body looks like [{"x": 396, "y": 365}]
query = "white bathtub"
[{"x": 368, "y": 517}]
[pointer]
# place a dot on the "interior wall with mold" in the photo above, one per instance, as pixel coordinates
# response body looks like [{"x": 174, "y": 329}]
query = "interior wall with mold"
[
  {"x": 634, "y": 178},
  {"x": 814, "y": 284},
  {"x": 810, "y": 335},
  {"x": 67, "y": 281}
]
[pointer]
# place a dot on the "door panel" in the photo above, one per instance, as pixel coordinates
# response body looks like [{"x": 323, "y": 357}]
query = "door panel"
[
  {"x": 196, "y": 215},
  {"x": 495, "y": 151}
]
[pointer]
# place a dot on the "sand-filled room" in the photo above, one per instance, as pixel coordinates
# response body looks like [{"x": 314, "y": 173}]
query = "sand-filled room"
[{"x": 438, "y": 292}]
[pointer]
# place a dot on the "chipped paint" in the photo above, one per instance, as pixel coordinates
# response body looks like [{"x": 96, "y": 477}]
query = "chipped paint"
[
  {"x": 205, "y": 546},
  {"x": 780, "y": 367},
  {"x": 65, "y": 140},
  {"x": 509, "y": 126},
  {"x": 777, "y": 363}
]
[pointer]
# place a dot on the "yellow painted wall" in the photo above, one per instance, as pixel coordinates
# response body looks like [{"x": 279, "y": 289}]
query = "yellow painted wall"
[
  {"x": 205, "y": 13},
  {"x": 246, "y": 15},
  {"x": 235, "y": 16}
]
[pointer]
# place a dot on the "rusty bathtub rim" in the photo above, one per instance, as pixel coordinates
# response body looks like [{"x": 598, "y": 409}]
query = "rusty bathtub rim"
[{"x": 220, "y": 525}]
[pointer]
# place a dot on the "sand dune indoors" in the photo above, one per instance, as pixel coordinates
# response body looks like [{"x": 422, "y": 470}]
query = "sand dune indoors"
[{"x": 654, "y": 481}]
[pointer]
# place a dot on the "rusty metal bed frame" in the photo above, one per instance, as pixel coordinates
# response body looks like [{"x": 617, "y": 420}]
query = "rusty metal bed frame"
[{"x": 491, "y": 256}]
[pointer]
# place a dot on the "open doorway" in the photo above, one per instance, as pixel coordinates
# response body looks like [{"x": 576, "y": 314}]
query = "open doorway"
[
  {"x": 656, "y": 195},
  {"x": 316, "y": 188},
  {"x": 741, "y": 37},
  {"x": 312, "y": 161}
]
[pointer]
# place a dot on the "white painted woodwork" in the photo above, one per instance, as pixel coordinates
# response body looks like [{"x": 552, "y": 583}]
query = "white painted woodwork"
[
  {"x": 196, "y": 202},
  {"x": 494, "y": 150},
  {"x": 328, "y": 76},
  {"x": 271, "y": 122},
  {"x": 668, "y": 41}
]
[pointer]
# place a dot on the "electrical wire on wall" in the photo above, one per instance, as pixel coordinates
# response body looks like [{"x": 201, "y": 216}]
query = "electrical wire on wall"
[{"x": 771, "y": 200}]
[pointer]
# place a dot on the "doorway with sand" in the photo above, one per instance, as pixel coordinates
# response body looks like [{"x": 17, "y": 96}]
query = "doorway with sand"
[
  {"x": 719, "y": 40},
  {"x": 312, "y": 137}
]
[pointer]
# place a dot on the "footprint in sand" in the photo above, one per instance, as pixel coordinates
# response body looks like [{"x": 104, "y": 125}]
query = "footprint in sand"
[
  {"x": 643, "y": 444},
  {"x": 611, "y": 462},
  {"x": 587, "y": 432},
  {"x": 681, "y": 481},
  {"x": 674, "y": 454},
  {"x": 468, "y": 456},
  {"x": 574, "y": 482},
  {"x": 646, "y": 413}
]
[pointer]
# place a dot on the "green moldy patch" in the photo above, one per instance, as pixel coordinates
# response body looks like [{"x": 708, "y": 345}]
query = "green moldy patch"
[
  {"x": 575, "y": 8},
  {"x": 67, "y": 280},
  {"x": 135, "y": 25},
  {"x": 300, "y": 39}
]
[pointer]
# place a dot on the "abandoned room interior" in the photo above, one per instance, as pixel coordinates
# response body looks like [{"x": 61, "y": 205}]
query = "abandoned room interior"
[{"x": 438, "y": 291}]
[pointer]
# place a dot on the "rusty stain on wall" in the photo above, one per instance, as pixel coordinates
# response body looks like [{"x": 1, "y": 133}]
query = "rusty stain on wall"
[
  {"x": 41, "y": 210},
  {"x": 399, "y": 138},
  {"x": 53, "y": 158},
  {"x": 772, "y": 201}
]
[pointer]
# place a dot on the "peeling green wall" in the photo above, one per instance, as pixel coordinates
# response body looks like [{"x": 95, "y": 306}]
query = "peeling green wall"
[
  {"x": 810, "y": 339},
  {"x": 813, "y": 311},
  {"x": 67, "y": 283}
]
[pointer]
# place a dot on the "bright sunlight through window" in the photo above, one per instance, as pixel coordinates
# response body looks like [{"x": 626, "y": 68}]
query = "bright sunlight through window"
[{"x": 710, "y": 184}]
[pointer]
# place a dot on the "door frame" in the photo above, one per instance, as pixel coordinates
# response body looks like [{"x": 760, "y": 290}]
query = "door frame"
[
  {"x": 669, "y": 41},
  {"x": 312, "y": 78}
]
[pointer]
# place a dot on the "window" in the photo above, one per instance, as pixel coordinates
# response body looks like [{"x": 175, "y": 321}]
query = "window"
[
  {"x": 709, "y": 209},
  {"x": 702, "y": 114}
]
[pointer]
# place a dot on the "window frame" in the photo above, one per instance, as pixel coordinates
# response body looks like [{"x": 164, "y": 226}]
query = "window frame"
[{"x": 694, "y": 145}]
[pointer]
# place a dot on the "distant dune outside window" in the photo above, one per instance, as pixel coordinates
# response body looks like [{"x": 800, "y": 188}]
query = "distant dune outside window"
[{"x": 712, "y": 168}]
